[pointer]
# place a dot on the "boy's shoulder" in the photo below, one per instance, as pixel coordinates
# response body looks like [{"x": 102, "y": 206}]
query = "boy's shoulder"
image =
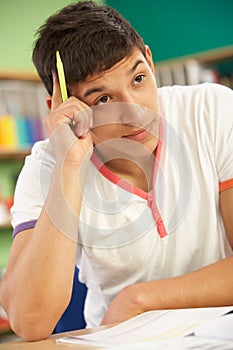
[
  {"x": 179, "y": 98},
  {"x": 202, "y": 88}
]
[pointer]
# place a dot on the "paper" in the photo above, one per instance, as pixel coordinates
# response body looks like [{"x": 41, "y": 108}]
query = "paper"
[
  {"x": 186, "y": 343},
  {"x": 151, "y": 327},
  {"x": 219, "y": 328}
]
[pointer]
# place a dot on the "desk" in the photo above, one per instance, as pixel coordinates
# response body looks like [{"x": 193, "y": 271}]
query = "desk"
[
  {"x": 210, "y": 327},
  {"x": 50, "y": 343}
]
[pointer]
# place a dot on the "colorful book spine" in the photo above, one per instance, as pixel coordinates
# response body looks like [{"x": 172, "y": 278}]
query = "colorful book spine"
[
  {"x": 22, "y": 132},
  {"x": 9, "y": 137},
  {"x": 18, "y": 132}
]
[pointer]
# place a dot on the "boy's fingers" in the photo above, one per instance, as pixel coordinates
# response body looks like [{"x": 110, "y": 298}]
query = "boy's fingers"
[
  {"x": 82, "y": 121},
  {"x": 56, "y": 97}
]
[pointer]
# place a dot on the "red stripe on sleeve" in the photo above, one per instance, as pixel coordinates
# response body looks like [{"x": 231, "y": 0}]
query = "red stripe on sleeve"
[{"x": 225, "y": 185}]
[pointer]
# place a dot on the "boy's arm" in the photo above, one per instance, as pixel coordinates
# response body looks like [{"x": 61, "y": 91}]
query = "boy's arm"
[
  {"x": 38, "y": 281},
  {"x": 37, "y": 285},
  {"x": 226, "y": 205},
  {"x": 209, "y": 286}
]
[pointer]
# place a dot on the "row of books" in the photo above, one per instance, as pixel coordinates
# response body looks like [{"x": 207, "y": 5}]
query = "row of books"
[
  {"x": 19, "y": 132},
  {"x": 191, "y": 72},
  {"x": 23, "y": 98}
]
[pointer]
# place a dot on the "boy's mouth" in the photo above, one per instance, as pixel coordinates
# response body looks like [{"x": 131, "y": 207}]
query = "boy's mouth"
[{"x": 139, "y": 134}]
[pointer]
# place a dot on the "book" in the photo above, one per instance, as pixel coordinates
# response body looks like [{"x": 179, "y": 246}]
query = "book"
[
  {"x": 22, "y": 131},
  {"x": 8, "y": 132},
  {"x": 165, "y": 328},
  {"x": 18, "y": 132}
]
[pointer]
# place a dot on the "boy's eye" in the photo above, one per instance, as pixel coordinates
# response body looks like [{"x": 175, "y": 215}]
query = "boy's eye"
[
  {"x": 102, "y": 100},
  {"x": 139, "y": 78}
]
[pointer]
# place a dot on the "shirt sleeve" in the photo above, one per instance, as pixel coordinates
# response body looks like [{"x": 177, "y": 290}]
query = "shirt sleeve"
[
  {"x": 32, "y": 187},
  {"x": 220, "y": 105}
]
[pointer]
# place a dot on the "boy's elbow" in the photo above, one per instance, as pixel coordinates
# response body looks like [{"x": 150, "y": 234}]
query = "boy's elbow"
[
  {"x": 31, "y": 333},
  {"x": 30, "y": 330},
  {"x": 30, "y": 319},
  {"x": 30, "y": 325}
]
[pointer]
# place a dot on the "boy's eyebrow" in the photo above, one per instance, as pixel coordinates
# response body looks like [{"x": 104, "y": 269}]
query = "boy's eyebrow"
[
  {"x": 132, "y": 70},
  {"x": 92, "y": 91},
  {"x": 100, "y": 89}
]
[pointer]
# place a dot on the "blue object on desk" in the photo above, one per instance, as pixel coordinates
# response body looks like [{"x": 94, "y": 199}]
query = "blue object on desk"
[{"x": 73, "y": 317}]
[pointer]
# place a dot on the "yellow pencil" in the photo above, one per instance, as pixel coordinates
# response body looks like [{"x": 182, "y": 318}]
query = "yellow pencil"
[{"x": 61, "y": 77}]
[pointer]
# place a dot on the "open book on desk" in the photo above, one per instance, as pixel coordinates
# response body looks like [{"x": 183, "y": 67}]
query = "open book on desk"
[{"x": 169, "y": 329}]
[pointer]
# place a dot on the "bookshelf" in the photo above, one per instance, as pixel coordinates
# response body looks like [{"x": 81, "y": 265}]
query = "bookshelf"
[
  {"x": 14, "y": 154},
  {"x": 22, "y": 108},
  {"x": 209, "y": 66},
  {"x": 22, "y": 101}
]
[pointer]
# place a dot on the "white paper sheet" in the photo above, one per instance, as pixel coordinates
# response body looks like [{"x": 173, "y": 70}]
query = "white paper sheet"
[
  {"x": 186, "y": 343},
  {"x": 218, "y": 328},
  {"x": 151, "y": 327}
]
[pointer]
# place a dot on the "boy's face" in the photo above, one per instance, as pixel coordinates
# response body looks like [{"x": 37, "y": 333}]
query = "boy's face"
[{"x": 130, "y": 81}]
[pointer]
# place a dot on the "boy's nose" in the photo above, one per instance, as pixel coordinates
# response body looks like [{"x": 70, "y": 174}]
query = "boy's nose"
[
  {"x": 119, "y": 112},
  {"x": 127, "y": 98},
  {"x": 132, "y": 114}
]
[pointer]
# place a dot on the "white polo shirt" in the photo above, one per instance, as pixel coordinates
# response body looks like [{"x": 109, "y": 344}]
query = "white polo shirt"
[{"x": 127, "y": 235}]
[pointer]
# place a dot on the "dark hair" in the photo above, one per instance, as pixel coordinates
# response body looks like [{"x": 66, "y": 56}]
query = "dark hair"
[{"x": 91, "y": 38}]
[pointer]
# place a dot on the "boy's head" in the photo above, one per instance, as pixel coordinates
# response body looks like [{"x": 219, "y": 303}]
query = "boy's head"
[{"x": 91, "y": 39}]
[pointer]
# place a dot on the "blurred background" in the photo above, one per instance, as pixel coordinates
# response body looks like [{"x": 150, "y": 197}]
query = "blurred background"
[
  {"x": 191, "y": 42},
  {"x": 172, "y": 29}
]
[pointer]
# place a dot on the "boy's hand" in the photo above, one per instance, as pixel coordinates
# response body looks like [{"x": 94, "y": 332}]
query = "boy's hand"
[
  {"x": 68, "y": 127},
  {"x": 127, "y": 304}
]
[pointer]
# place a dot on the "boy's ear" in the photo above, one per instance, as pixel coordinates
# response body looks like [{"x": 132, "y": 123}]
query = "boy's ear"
[
  {"x": 49, "y": 102},
  {"x": 149, "y": 58}
]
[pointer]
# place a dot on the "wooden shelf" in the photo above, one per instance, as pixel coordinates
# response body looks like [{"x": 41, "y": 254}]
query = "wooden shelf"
[
  {"x": 20, "y": 75},
  {"x": 209, "y": 56},
  {"x": 6, "y": 226},
  {"x": 213, "y": 66},
  {"x": 14, "y": 154}
]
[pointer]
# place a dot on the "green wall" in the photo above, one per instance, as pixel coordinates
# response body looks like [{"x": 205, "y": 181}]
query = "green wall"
[
  {"x": 9, "y": 170},
  {"x": 177, "y": 28},
  {"x": 5, "y": 244},
  {"x": 171, "y": 28},
  {"x": 19, "y": 20}
]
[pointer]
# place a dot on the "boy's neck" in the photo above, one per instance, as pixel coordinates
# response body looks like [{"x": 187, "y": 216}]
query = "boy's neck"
[
  {"x": 138, "y": 173},
  {"x": 130, "y": 160}
]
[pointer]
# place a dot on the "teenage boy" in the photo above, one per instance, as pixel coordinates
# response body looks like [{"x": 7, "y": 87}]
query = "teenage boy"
[{"x": 134, "y": 184}]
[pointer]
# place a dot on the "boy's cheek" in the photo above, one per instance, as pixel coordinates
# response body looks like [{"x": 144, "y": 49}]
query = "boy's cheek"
[{"x": 105, "y": 132}]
